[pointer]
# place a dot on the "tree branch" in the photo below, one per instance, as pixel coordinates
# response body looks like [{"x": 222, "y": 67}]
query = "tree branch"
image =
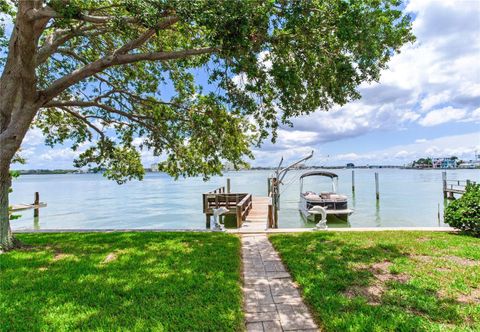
[
  {"x": 83, "y": 119},
  {"x": 58, "y": 38},
  {"x": 54, "y": 41},
  {"x": 47, "y": 12},
  {"x": 99, "y": 65},
  {"x": 81, "y": 103},
  {"x": 146, "y": 35}
]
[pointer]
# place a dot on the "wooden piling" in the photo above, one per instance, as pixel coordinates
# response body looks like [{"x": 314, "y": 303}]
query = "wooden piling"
[
  {"x": 275, "y": 218},
  {"x": 353, "y": 181},
  {"x": 207, "y": 221},
  {"x": 444, "y": 181},
  {"x": 228, "y": 185},
  {"x": 377, "y": 190},
  {"x": 438, "y": 214},
  {"x": 36, "y": 202}
]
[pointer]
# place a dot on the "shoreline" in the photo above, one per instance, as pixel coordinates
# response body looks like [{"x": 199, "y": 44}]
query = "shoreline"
[{"x": 238, "y": 231}]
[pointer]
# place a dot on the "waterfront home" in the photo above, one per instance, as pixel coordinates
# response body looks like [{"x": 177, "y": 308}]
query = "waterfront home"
[
  {"x": 471, "y": 164},
  {"x": 444, "y": 163}
]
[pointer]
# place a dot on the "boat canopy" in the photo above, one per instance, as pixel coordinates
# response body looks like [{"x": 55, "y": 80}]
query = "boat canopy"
[{"x": 319, "y": 173}]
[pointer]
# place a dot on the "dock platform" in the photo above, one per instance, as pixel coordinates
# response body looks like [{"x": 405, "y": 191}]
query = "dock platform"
[
  {"x": 20, "y": 207},
  {"x": 251, "y": 213},
  {"x": 257, "y": 218},
  {"x": 452, "y": 187}
]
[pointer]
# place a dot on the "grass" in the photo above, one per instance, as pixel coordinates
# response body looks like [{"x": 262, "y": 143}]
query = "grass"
[
  {"x": 122, "y": 282},
  {"x": 387, "y": 281}
]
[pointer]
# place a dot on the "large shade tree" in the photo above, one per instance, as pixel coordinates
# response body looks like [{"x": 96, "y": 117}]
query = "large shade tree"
[{"x": 108, "y": 73}]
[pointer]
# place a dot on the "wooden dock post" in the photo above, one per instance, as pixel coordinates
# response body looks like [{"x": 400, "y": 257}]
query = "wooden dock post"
[
  {"x": 353, "y": 181},
  {"x": 207, "y": 221},
  {"x": 228, "y": 185},
  {"x": 444, "y": 181},
  {"x": 36, "y": 212},
  {"x": 377, "y": 190},
  {"x": 36, "y": 203}
]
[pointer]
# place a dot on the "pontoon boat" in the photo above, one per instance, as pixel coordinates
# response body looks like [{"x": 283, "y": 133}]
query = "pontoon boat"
[{"x": 314, "y": 205}]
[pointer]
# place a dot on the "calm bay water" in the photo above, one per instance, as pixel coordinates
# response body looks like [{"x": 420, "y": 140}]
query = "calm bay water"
[{"x": 407, "y": 198}]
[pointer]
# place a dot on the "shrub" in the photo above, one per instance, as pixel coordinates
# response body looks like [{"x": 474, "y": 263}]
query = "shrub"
[{"x": 464, "y": 213}]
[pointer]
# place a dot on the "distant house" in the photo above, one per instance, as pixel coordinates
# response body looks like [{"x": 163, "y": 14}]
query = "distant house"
[
  {"x": 228, "y": 166},
  {"x": 444, "y": 163},
  {"x": 424, "y": 165},
  {"x": 154, "y": 167},
  {"x": 299, "y": 166},
  {"x": 470, "y": 164},
  {"x": 350, "y": 165}
]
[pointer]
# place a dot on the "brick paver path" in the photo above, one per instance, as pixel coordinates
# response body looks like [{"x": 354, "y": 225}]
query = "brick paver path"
[{"x": 272, "y": 302}]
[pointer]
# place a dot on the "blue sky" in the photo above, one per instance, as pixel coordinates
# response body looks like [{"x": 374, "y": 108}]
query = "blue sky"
[{"x": 426, "y": 104}]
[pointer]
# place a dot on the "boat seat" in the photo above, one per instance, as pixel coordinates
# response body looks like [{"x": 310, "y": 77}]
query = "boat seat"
[{"x": 336, "y": 196}]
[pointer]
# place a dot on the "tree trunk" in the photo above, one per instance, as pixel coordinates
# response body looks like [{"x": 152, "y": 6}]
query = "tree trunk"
[
  {"x": 18, "y": 102},
  {"x": 6, "y": 237}
]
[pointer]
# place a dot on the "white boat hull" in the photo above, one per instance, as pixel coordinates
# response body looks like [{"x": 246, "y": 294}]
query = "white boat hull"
[{"x": 305, "y": 205}]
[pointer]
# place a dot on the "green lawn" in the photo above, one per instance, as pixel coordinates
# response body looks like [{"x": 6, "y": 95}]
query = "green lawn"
[
  {"x": 385, "y": 281},
  {"x": 122, "y": 281}
]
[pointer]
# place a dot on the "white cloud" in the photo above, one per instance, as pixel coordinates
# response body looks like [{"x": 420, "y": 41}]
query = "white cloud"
[
  {"x": 462, "y": 146},
  {"x": 296, "y": 137},
  {"x": 439, "y": 73},
  {"x": 33, "y": 137},
  {"x": 64, "y": 154},
  {"x": 402, "y": 154},
  {"x": 435, "y": 99},
  {"x": 442, "y": 115},
  {"x": 475, "y": 115}
]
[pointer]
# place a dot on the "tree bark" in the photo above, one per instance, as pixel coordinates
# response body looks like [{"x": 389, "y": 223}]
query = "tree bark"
[
  {"x": 18, "y": 103},
  {"x": 6, "y": 238}
]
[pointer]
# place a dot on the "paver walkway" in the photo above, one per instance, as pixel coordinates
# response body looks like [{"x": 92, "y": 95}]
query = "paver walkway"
[{"x": 272, "y": 302}]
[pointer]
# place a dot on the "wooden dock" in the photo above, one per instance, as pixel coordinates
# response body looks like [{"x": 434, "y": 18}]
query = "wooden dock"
[
  {"x": 20, "y": 207},
  {"x": 452, "y": 187},
  {"x": 35, "y": 205},
  {"x": 254, "y": 213},
  {"x": 258, "y": 217}
]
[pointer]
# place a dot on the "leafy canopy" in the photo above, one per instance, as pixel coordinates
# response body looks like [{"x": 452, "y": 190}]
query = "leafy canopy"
[{"x": 265, "y": 62}]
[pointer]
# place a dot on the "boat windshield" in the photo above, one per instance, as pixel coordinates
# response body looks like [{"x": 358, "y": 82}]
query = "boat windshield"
[{"x": 318, "y": 183}]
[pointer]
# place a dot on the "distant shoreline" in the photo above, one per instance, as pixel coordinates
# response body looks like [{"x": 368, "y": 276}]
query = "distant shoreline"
[{"x": 79, "y": 172}]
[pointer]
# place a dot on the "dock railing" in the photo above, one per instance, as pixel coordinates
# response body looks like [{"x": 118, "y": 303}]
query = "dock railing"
[
  {"x": 451, "y": 187},
  {"x": 238, "y": 204},
  {"x": 242, "y": 209}
]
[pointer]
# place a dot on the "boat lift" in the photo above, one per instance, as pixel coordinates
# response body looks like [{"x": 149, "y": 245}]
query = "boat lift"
[{"x": 275, "y": 182}]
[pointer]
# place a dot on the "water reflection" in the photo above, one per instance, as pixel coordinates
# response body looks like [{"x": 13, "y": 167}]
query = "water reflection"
[
  {"x": 333, "y": 221},
  {"x": 338, "y": 222},
  {"x": 36, "y": 222},
  {"x": 378, "y": 220}
]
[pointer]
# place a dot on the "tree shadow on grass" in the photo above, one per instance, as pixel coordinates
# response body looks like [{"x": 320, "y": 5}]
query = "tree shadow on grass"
[
  {"x": 326, "y": 267},
  {"x": 155, "y": 281}
]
